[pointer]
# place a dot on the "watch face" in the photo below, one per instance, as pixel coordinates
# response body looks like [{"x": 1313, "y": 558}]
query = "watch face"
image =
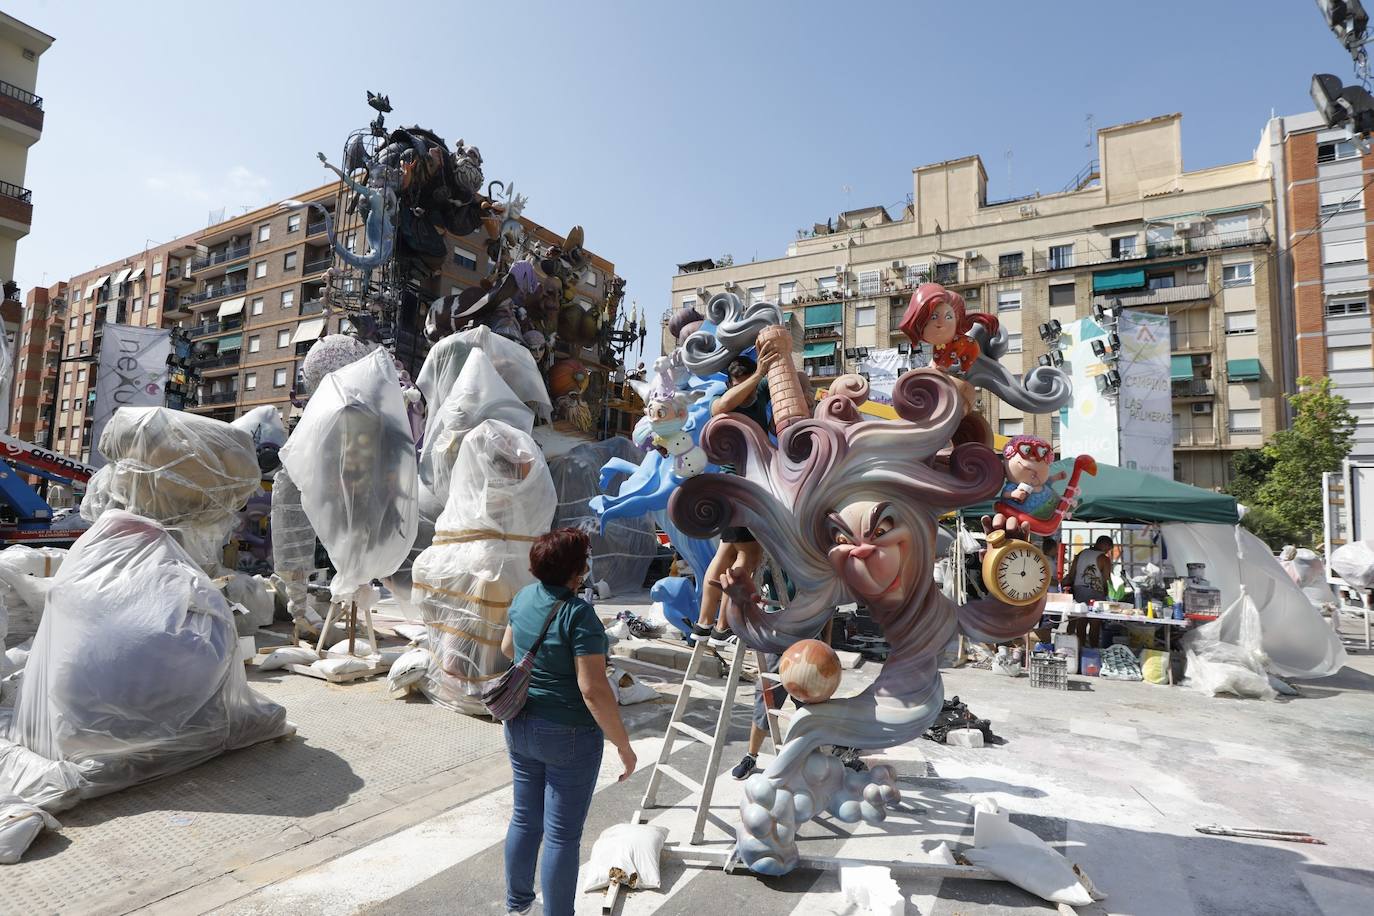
[{"x": 1021, "y": 573}]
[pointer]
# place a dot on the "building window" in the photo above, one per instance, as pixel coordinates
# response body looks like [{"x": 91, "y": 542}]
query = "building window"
[
  {"x": 279, "y": 378},
  {"x": 866, "y": 317},
  {"x": 71, "y": 349},
  {"x": 1011, "y": 427},
  {"x": 66, "y": 405},
  {"x": 293, "y": 223},
  {"x": 1061, "y": 256},
  {"x": 283, "y": 338},
  {"x": 75, "y": 321},
  {"x": 260, "y": 270},
  {"x": 351, "y": 241},
  {"x": 787, "y": 292},
  {"x": 1243, "y": 421},
  {"x": 1008, "y": 300},
  {"x": 288, "y": 298},
  {"x": 1238, "y": 274},
  {"x": 1124, "y": 247},
  {"x": 86, "y": 319},
  {"x": 1337, "y": 308},
  {"x": 1061, "y": 294},
  {"x": 1011, "y": 265},
  {"x": 1013, "y": 343},
  {"x": 1344, "y": 252},
  {"x": 61, "y": 433},
  {"x": 869, "y": 282},
  {"x": 153, "y": 300},
  {"x": 916, "y": 274},
  {"x": 1240, "y": 323},
  {"x": 67, "y": 377},
  {"x": 756, "y": 294},
  {"x": 591, "y": 278},
  {"x": 157, "y": 268},
  {"x": 1160, "y": 280},
  {"x": 250, "y": 381},
  {"x": 81, "y": 375},
  {"x": 826, "y": 285},
  {"x": 1335, "y": 152},
  {"x": 947, "y": 272},
  {"x": 255, "y": 343},
  {"x": 288, "y": 261},
  {"x": 461, "y": 256},
  {"x": 257, "y": 305},
  {"x": 1339, "y": 359},
  {"x": 138, "y": 304},
  {"x": 1343, "y": 201},
  {"x": 688, "y": 302},
  {"x": 264, "y": 232}
]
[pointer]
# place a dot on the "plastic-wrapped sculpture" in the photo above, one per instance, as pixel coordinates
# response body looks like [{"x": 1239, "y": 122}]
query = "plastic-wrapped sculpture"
[
  {"x": 500, "y": 499},
  {"x": 848, "y": 508},
  {"x": 353, "y": 459}
]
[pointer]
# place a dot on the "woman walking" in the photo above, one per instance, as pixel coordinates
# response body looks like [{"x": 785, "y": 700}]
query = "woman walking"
[{"x": 555, "y": 743}]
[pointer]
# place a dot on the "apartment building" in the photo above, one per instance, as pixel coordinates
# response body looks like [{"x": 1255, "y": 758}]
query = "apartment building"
[
  {"x": 246, "y": 297},
  {"x": 1320, "y": 186},
  {"x": 21, "y": 125},
  {"x": 1133, "y": 226}
]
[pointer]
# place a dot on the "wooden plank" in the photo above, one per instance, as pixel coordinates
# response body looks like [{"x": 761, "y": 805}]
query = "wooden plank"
[
  {"x": 899, "y": 867},
  {"x": 340, "y": 678},
  {"x": 693, "y": 731},
  {"x": 680, "y": 777}
]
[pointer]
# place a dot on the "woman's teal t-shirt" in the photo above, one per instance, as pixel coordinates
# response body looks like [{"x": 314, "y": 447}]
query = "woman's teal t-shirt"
[{"x": 575, "y": 630}]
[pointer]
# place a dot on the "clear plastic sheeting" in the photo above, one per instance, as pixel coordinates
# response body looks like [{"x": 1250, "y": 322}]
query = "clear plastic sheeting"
[
  {"x": 1227, "y": 656},
  {"x": 353, "y": 459},
  {"x": 1354, "y": 563},
  {"x": 621, "y": 556},
  {"x": 25, "y": 577},
  {"x": 501, "y": 498},
  {"x": 134, "y": 673},
  {"x": 1306, "y": 569},
  {"x": 513, "y": 361},
  {"x": 1295, "y": 639},
  {"x": 192, "y": 474},
  {"x": 293, "y": 543},
  {"x": 263, "y": 424}
]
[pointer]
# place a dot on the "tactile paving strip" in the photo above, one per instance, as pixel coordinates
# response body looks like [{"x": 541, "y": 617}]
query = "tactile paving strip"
[{"x": 353, "y": 743}]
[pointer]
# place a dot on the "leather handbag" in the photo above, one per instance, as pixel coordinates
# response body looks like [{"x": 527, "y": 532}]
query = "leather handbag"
[{"x": 505, "y": 697}]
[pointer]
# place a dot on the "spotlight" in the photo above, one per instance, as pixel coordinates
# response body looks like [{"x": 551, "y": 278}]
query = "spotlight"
[
  {"x": 1044, "y": 360},
  {"x": 1099, "y": 349},
  {"x": 1347, "y": 20},
  {"x": 1056, "y": 358},
  {"x": 904, "y": 348},
  {"x": 1350, "y": 105},
  {"x": 863, "y": 352},
  {"x": 851, "y": 353}
]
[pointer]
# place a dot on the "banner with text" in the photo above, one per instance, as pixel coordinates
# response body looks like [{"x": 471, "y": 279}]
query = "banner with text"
[
  {"x": 884, "y": 368},
  {"x": 1145, "y": 402},
  {"x": 132, "y": 373},
  {"x": 1088, "y": 426}
]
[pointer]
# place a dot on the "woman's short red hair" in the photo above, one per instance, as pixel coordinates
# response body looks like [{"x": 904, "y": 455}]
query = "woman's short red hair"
[
  {"x": 559, "y": 555},
  {"x": 924, "y": 301}
]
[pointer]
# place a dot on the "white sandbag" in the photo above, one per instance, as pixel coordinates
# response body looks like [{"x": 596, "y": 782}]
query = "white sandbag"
[
  {"x": 353, "y": 459},
  {"x": 263, "y": 424},
  {"x": 415, "y": 632},
  {"x": 628, "y": 852},
  {"x": 287, "y": 656},
  {"x": 629, "y": 689},
  {"x": 407, "y": 671},
  {"x": 1354, "y": 562},
  {"x": 20, "y": 824},
  {"x": 134, "y": 673},
  {"x": 346, "y": 665},
  {"x": 500, "y": 499},
  {"x": 252, "y": 593},
  {"x": 361, "y": 648}
]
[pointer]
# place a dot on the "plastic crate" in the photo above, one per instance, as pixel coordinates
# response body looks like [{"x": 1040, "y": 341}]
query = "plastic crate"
[{"x": 1049, "y": 671}]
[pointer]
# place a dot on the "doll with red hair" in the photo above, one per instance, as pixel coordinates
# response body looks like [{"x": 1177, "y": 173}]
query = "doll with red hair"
[{"x": 937, "y": 316}]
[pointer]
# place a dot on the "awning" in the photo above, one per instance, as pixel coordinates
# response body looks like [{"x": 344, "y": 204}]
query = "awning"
[
  {"x": 786, "y": 317},
  {"x": 232, "y": 306},
  {"x": 236, "y": 268},
  {"x": 1180, "y": 368},
  {"x": 819, "y": 315},
  {"x": 90, "y": 290},
  {"x": 122, "y": 275},
  {"x": 308, "y": 330},
  {"x": 230, "y": 342},
  {"x": 1126, "y": 278},
  {"x": 1243, "y": 370},
  {"x": 819, "y": 350},
  {"x": 138, "y": 272}
]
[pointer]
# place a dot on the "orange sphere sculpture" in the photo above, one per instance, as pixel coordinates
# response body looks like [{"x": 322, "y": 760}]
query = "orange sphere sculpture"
[{"x": 810, "y": 671}]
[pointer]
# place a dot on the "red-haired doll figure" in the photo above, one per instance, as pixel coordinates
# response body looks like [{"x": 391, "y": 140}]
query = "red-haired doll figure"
[{"x": 936, "y": 316}]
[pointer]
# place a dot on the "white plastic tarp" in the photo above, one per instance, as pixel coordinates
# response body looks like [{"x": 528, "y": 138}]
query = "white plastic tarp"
[
  {"x": 501, "y": 498},
  {"x": 1297, "y": 641},
  {"x": 264, "y": 424},
  {"x": 134, "y": 673},
  {"x": 513, "y": 361},
  {"x": 353, "y": 459}
]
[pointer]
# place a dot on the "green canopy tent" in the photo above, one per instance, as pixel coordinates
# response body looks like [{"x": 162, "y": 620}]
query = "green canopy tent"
[{"x": 1122, "y": 495}]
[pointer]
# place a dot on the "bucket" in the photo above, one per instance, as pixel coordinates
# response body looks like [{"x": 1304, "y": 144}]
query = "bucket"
[{"x": 1090, "y": 663}]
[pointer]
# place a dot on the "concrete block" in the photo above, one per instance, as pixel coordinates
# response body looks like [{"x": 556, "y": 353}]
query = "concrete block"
[
  {"x": 849, "y": 659},
  {"x": 965, "y": 737}
]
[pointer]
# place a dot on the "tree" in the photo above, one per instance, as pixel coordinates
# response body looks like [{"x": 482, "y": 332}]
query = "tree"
[
  {"x": 1249, "y": 469},
  {"x": 1320, "y": 438}
]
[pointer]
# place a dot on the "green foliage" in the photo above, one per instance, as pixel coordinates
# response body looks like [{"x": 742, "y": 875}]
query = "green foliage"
[
  {"x": 1321, "y": 436},
  {"x": 1249, "y": 468},
  {"x": 1264, "y": 524}
]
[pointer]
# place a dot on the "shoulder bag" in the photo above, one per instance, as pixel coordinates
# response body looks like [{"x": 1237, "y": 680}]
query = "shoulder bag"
[{"x": 505, "y": 697}]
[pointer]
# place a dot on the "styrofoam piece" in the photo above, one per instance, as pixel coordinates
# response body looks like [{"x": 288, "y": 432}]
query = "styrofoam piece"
[{"x": 872, "y": 889}]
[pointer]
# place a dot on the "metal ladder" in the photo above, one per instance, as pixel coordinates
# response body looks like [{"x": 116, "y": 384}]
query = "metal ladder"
[{"x": 705, "y": 788}]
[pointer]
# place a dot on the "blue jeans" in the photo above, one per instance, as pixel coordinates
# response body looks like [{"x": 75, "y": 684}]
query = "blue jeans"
[{"x": 555, "y": 769}]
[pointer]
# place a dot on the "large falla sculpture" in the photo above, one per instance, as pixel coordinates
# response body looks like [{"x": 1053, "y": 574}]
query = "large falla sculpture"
[{"x": 846, "y": 506}]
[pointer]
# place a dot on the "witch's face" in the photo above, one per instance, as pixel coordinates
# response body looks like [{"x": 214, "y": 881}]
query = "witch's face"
[
  {"x": 942, "y": 325},
  {"x": 871, "y": 551}
]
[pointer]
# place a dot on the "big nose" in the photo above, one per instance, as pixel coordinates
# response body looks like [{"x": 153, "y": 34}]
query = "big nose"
[{"x": 862, "y": 551}]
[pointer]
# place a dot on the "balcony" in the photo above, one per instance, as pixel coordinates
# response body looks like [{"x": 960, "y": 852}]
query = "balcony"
[
  {"x": 1193, "y": 388},
  {"x": 822, "y": 371},
  {"x": 1194, "y": 436},
  {"x": 1006, "y": 269},
  {"x": 1188, "y": 292},
  {"x": 211, "y": 292},
  {"x": 219, "y": 397},
  {"x": 319, "y": 265},
  {"x": 823, "y": 332},
  {"x": 16, "y": 203},
  {"x": 946, "y": 274},
  {"x": 216, "y": 258},
  {"x": 176, "y": 276},
  {"x": 216, "y": 361},
  {"x": 314, "y": 228},
  {"x": 215, "y": 327},
  {"x": 1200, "y": 339},
  {"x": 313, "y": 307},
  {"x": 21, "y": 105}
]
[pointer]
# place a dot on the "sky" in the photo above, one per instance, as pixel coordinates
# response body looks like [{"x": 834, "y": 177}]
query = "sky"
[{"x": 670, "y": 132}]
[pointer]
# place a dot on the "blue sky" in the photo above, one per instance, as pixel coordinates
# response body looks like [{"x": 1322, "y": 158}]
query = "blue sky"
[{"x": 670, "y": 131}]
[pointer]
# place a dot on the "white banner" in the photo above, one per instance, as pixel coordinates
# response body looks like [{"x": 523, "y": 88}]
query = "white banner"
[
  {"x": 1145, "y": 403},
  {"x": 132, "y": 373},
  {"x": 1088, "y": 426},
  {"x": 884, "y": 368}
]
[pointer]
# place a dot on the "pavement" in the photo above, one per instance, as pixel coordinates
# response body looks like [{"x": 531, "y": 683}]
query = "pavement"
[{"x": 384, "y": 806}]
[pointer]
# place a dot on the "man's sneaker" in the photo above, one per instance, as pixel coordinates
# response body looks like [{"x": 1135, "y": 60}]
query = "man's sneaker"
[
  {"x": 746, "y": 766},
  {"x": 698, "y": 633},
  {"x": 721, "y": 638},
  {"x": 849, "y": 756}
]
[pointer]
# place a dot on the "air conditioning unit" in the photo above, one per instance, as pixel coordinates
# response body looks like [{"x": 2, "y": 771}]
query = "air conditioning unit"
[
  {"x": 1202, "y": 407},
  {"x": 1183, "y": 226},
  {"x": 1027, "y": 210},
  {"x": 897, "y": 265},
  {"x": 701, "y": 294},
  {"x": 971, "y": 294},
  {"x": 731, "y": 286},
  {"x": 840, "y": 270},
  {"x": 971, "y": 255},
  {"x": 1196, "y": 268}
]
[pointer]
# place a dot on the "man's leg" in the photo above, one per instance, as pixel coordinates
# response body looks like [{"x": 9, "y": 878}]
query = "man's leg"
[
  {"x": 710, "y": 586},
  {"x": 526, "y": 829}
]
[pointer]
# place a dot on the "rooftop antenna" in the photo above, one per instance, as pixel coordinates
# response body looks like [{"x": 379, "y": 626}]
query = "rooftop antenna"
[
  {"x": 1092, "y": 131},
  {"x": 1007, "y": 156}
]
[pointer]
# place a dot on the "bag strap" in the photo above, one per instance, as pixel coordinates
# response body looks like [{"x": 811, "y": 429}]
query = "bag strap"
[{"x": 534, "y": 649}]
